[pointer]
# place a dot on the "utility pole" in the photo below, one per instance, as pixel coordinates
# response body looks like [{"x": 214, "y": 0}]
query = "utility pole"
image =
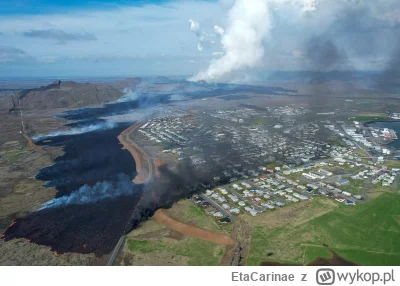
[{"x": 22, "y": 119}]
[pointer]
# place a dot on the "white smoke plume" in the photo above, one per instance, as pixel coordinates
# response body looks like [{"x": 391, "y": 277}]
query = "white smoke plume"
[
  {"x": 249, "y": 25},
  {"x": 76, "y": 131},
  {"x": 129, "y": 95},
  {"x": 92, "y": 194}
]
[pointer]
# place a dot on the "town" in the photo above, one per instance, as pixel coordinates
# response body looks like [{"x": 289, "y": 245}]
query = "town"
[{"x": 271, "y": 158}]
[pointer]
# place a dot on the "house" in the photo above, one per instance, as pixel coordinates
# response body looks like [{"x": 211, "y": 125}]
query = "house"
[
  {"x": 218, "y": 214},
  {"x": 312, "y": 186},
  {"x": 341, "y": 182},
  {"x": 235, "y": 211},
  {"x": 210, "y": 210},
  {"x": 223, "y": 191},
  {"x": 340, "y": 199},
  {"x": 215, "y": 196},
  {"x": 269, "y": 206},
  {"x": 233, "y": 198},
  {"x": 221, "y": 199},
  {"x": 205, "y": 204},
  {"x": 225, "y": 220},
  {"x": 226, "y": 206},
  {"x": 209, "y": 193},
  {"x": 257, "y": 200},
  {"x": 260, "y": 193},
  {"x": 241, "y": 203},
  {"x": 197, "y": 200},
  {"x": 253, "y": 212},
  {"x": 247, "y": 209}
]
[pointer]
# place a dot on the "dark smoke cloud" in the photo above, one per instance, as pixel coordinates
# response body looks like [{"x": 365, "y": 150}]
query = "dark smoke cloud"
[
  {"x": 169, "y": 188},
  {"x": 389, "y": 80},
  {"x": 357, "y": 31},
  {"x": 187, "y": 179},
  {"x": 324, "y": 55}
]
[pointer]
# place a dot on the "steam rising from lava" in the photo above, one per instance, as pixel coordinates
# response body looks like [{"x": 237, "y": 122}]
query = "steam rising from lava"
[
  {"x": 78, "y": 130},
  {"x": 92, "y": 194}
]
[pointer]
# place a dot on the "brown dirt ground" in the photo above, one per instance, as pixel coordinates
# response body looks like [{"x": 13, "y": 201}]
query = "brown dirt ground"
[
  {"x": 162, "y": 216},
  {"x": 142, "y": 166}
]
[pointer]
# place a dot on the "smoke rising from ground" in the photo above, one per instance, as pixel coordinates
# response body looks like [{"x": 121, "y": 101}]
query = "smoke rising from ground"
[
  {"x": 249, "y": 26},
  {"x": 242, "y": 42},
  {"x": 186, "y": 179},
  {"x": 390, "y": 78},
  {"x": 76, "y": 131},
  {"x": 92, "y": 194},
  {"x": 324, "y": 55}
]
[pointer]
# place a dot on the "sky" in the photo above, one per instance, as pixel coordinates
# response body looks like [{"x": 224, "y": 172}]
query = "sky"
[{"x": 217, "y": 40}]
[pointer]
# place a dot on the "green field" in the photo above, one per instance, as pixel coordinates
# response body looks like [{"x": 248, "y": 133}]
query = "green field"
[
  {"x": 354, "y": 186},
  {"x": 197, "y": 251},
  {"x": 153, "y": 240},
  {"x": 366, "y": 234},
  {"x": 369, "y": 118}
]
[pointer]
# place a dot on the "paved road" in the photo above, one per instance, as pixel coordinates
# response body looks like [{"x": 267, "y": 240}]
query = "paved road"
[
  {"x": 218, "y": 207},
  {"x": 115, "y": 252}
]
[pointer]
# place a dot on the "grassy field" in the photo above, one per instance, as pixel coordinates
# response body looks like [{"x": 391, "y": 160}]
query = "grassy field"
[
  {"x": 366, "y": 234},
  {"x": 354, "y": 186},
  {"x": 197, "y": 252},
  {"x": 369, "y": 118},
  {"x": 155, "y": 244},
  {"x": 391, "y": 164}
]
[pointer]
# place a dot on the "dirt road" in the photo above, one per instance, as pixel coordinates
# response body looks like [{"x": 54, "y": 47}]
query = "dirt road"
[
  {"x": 144, "y": 164},
  {"x": 191, "y": 230},
  {"x": 31, "y": 143}
]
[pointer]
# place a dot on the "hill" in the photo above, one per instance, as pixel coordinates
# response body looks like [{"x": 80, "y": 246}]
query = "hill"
[{"x": 62, "y": 94}]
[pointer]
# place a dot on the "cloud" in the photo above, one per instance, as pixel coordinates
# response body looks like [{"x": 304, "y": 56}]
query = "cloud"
[
  {"x": 59, "y": 35},
  {"x": 365, "y": 30},
  {"x": 194, "y": 26},
  {"x": 218, "y": 30},
  {"x": 11, "y": 54},
  {"x": 217, "y": 54},
  {"x": 48, "y": 59},
  {"x": 297, "y": 53}
]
